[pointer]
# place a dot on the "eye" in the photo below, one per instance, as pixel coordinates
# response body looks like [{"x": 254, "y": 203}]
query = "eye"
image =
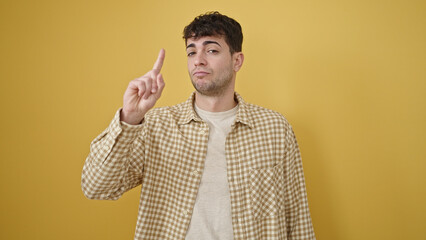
[
  {"x": 190, "y": 54},
  {"x": 212, "y": 51}
]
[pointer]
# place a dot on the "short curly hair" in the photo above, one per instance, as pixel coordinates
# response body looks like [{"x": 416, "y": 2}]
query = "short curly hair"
[{"x": 216, "y": 24}]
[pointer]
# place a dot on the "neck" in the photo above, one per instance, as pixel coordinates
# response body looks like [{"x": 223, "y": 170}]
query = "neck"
[{"x": 220, "y": 103}]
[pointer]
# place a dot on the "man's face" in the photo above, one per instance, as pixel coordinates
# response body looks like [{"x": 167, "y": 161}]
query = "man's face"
[{"x": 210, "y": 65}]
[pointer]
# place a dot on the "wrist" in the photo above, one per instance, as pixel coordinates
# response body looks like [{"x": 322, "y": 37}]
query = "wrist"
[{"x": 132, "y": 118}]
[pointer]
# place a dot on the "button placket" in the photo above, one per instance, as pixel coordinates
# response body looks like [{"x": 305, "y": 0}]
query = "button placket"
[
  {"x": 195, "y": 173},
  {"x": 204, "y": 129},
  {"x": 204, "y": 132},
  {"x": 185, "y": 213}
]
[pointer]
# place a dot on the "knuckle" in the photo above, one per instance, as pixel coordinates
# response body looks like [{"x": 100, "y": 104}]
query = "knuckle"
[{"x": 142, "y": 78}]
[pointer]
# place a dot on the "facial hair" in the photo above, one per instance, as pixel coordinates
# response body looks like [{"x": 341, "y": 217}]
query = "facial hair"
[{"x": 213, "y": 87}]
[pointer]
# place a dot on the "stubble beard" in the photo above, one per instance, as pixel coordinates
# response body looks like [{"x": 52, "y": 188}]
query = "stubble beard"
[{"x": 215, "y": 87}]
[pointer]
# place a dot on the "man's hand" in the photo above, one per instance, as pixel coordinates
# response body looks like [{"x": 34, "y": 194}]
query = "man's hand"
[{"x": 142, "y": 93}]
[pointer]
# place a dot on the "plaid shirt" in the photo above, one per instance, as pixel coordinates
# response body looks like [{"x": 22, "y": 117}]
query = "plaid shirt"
[{"x": 166, "y": 153}]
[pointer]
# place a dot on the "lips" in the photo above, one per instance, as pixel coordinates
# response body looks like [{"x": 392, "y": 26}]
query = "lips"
[{"x": 200, "y": 73}]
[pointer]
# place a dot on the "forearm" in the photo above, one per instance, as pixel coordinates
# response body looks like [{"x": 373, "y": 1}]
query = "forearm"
[{"x": 110, "y": 169}]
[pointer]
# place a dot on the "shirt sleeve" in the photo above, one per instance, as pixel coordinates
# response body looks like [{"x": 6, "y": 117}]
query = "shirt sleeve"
[
  {"x": 296, "y": 203},
  {"x": 115, "y": 162}
]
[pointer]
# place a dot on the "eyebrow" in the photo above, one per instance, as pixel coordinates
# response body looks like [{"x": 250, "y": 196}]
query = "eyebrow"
[{"x": 204, "y": 44}]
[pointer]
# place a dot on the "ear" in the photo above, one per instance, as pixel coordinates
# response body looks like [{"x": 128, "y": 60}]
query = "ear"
[{"x": 238, "y": 60}]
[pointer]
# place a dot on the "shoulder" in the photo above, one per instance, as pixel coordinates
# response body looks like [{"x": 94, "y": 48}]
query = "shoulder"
[
  {"x": 266, "y": 117},
  {"x": 167, "y": 113},
  {"x": 270, "y": 123}
]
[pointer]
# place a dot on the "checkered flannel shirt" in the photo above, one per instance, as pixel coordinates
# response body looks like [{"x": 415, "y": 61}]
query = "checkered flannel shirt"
[{"x": 165, "y": 155}]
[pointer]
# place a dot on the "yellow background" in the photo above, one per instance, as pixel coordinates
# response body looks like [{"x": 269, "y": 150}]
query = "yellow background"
[{"x": 349, "y": 75}]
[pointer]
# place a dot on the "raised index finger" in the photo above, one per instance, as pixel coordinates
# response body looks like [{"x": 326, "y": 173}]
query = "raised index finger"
[{"x": 159, "y": 63}]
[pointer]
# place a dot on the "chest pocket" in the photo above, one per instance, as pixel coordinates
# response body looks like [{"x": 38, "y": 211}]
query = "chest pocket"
[{"x": 266, "y": 191}]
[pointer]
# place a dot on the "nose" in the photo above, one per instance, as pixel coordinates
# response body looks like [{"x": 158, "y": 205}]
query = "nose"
[{"x": 200, "y": 59}]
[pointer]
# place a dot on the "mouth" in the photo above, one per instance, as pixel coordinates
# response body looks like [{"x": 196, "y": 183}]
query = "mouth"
[{"x": 200, "y": 73}]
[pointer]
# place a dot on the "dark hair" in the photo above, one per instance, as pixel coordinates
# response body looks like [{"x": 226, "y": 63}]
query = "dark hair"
[{"x": 213, "y": 24}]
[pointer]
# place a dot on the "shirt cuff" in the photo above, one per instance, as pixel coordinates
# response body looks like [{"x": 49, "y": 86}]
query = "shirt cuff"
[{"x": 124, "y": 131}]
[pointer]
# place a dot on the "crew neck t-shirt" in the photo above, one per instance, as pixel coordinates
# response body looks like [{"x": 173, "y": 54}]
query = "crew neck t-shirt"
[{"x": 211, "y": 217}]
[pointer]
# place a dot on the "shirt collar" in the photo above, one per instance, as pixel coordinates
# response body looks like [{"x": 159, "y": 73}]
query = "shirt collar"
[{"x": 189, "y": 114}]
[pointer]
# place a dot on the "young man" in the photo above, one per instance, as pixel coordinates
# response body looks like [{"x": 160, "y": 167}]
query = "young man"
[{"x": 213, "y": 167}]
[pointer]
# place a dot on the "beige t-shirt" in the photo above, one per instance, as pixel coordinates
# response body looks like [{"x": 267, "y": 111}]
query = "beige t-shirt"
[{"x": 211, "y": 217}]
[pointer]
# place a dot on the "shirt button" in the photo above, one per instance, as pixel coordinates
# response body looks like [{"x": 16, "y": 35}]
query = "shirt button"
[
  {"x": 195, "y": 173},
  {"x": 185, "y": 213},
  {"x": 203, "y": 132},
  {"x": 107, "y": 148}
]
